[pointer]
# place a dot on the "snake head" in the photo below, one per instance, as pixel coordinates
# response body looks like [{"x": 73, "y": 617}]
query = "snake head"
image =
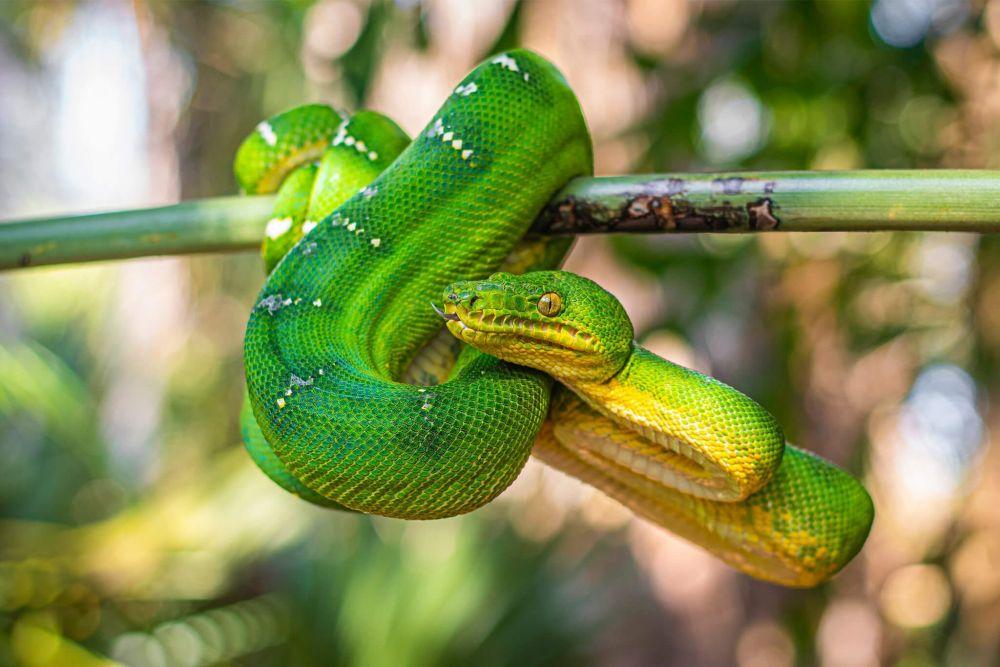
[{"x": 558, "y": 322}]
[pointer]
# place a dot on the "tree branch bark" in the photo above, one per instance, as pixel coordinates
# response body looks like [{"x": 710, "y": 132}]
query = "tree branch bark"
[{"x": 944, "y": 200}]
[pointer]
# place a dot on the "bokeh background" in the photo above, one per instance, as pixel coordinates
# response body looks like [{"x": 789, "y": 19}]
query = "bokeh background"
[{"x": 134, "y": 529}]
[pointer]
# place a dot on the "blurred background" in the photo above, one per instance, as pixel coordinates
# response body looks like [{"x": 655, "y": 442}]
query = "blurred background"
[{"x": 135, "y": 530}]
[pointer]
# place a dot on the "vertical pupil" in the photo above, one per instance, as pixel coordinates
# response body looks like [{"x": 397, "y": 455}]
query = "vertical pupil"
[{"x": 547, "y": 305}]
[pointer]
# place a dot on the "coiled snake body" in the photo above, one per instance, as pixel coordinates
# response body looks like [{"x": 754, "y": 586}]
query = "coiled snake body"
[{"x": 346, "y": 312}]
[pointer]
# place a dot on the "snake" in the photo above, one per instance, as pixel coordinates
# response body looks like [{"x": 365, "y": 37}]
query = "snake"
[{"x": 364, "y": 394}]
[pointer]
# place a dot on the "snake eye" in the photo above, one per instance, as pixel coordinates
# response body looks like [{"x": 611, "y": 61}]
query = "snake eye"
[{"x": 550, "y": 304}]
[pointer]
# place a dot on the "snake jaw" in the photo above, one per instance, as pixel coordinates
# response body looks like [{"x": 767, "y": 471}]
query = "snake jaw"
[
  {"x": 492, "y": 323},
  {"x": 453, "y": 321},
  {"x": 502, "y": 317}
]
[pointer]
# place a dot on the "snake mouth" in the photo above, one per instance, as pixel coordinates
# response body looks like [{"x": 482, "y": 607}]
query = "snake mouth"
[{"x": 483, "y": 325}]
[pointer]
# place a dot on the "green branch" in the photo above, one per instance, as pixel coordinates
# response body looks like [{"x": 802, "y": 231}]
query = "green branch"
[
  {"x": 789, "y": 201},
  {"x": 954, "y": 200},
  {"x": 223, "y": 224}
]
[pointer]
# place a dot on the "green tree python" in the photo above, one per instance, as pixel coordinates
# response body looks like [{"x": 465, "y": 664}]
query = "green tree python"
[{"x": 359, "y": 399}]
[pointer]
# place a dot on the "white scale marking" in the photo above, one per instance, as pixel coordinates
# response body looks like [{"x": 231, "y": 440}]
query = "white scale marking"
[
  {"x": 341, "y": 133},
  {"x": 344, "y": 138},
  {"x": 272, "y": 303},
  {"x": 267, "y": 133},
  {"x": 308, "y": 226},
  {"x": 506, "y": 61},
  {"x": 277, "y": 226},
  {"x": 437, "y": 130}
]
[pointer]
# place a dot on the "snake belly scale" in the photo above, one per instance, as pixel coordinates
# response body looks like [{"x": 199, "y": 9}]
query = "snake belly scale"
[{"x": 677, "y": 447}]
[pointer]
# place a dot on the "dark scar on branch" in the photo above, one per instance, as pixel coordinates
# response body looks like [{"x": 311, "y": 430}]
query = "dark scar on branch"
[{"x": 760, "y": 215}]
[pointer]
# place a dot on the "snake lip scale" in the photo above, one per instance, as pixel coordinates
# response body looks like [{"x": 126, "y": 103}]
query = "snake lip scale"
[{"x": 492, "y": 322}]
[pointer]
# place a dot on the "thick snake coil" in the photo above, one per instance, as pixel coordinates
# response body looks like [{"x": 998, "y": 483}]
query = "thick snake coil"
[{"x": 359, "y": 399}]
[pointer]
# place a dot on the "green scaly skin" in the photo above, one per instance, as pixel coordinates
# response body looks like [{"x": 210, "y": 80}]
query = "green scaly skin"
[
  {"x": 339, "y": 319},
  {"x": 368, "y": 442},
  {"x": 279, "y": 155},
  {"x": 282, "y": 154},
  {"x": 675, "y": 446}
]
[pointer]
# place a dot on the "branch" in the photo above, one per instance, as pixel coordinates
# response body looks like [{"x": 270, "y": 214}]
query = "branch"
[
  {"x": 222, "y": 224},
  {"x": 782, "y": 201},
  {"x": 947, "y": 200}
]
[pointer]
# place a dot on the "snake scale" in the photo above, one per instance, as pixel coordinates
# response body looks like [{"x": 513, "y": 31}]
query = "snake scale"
[{"x": 359, "y": 399}]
